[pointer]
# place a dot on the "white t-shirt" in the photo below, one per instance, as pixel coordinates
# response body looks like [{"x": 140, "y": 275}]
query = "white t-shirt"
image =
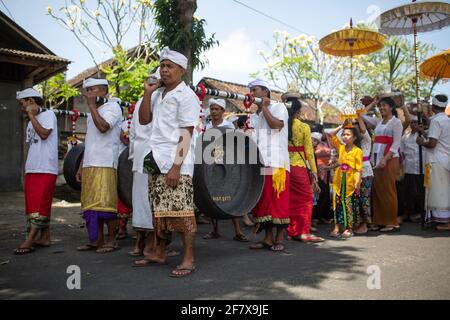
[
  {"x": 440, "y": 130},
  {"x": 102, "y": 149},
  {"x": 410, "y": 150},
  {"x": 43, "y": 154},
  {"x": 180, "y": 108},
  {"x": 139, "y": 140},
  {"x": 273, "y": 143},
  {"x": 366, "y": 146}
]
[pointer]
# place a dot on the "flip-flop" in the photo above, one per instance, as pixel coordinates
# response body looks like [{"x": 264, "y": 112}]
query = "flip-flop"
[
  {"x": 108, "y": 249},
  {"x": 147, "y": 263},
  {"x": 442, "y": 228},
  {"x": 40, "y": 245},
  {"x": 211, "y": 235},
  {"x": 241, "y": 238},
  {"x": 183, "y": 270},
  {"x": 280, "y": 247},
  {"x": 172, "y": 253},
  {"x": 87, "y": 247},
  {"x": 136, "y": 253},
  {"x": 260, "y": 245},
  {"x": 312, "y": 239},
  {"x": 21, "y": 252}
]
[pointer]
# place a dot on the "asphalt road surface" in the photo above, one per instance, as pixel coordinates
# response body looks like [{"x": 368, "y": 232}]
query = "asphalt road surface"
[{"x": 409, "y": 264}]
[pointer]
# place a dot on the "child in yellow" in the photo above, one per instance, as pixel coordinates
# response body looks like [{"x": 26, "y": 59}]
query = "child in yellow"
[{"x": 346, "y": 182}]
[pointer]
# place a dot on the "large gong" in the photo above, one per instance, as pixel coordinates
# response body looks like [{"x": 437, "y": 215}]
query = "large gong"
[
  {"x": 71, "y": 164},
  {"x": 228, "y": 179}
]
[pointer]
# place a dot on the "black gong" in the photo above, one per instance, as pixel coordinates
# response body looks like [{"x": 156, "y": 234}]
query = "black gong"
[
  {"x": 228, "y": 181},
  {"x": 71, "y": 164},
  {"x": 125, "y": 178}
]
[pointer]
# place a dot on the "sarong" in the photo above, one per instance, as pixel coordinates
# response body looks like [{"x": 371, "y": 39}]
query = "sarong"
[
  {"x": 270, "y": 209},
  {"x": 142, "y": 214},
  {"x": 300, "y": 202},
  {"x": 384, "y": 194},
  {"x": 438, "y": 194},
  {"x": 345, "y": 206},
  {"x": 363, "y": 214},
  {"x": 39, "y": 188},
  {"x": 99, "y": 189},
  {"x": 173, "y": 208}
]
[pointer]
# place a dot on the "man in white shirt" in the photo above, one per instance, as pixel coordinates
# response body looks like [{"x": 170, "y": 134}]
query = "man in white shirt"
[
  {"x": 98, "y": 170},
  {"x": 41, "y": 169},
  {"x": 413, "y": 180},
  {"x": 437, "y": 169},
  {"x": 174, "y": 110},
  {"x": 272, "y": 210},
  {"x": 217, "y": 110}
]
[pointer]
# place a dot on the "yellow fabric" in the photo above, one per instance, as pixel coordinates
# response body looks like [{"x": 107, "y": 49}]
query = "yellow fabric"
[
  {"x": 279, "y": 180},
  {"x": 427, "y": 176},
  {"x": 301, "y": 137},
  {"x": 99, "y": 189},
  {"x": 354, "y": 160}
]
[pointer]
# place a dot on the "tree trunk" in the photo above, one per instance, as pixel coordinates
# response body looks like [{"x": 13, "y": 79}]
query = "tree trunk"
[{"x": 185, "y": 11}]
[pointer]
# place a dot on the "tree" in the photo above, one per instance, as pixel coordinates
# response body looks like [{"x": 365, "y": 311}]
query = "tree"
[
  {"x": 179, "y": 30},
  {"x": 298, "y": 63},
  {"x": 127, "y": 76},
  {"x": 57, "y": 92},
  {"x": 107, "y": 23}
]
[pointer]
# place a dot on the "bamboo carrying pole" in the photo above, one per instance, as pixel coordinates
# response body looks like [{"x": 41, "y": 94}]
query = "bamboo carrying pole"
[{"x": 208, "y": 92}]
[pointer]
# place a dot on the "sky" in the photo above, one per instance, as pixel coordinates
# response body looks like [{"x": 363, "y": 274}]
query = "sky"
[{"x": 240, "y": 31}]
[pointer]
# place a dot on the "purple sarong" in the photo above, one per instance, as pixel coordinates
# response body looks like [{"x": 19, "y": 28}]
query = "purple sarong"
[{"x": 92, "y": 217}]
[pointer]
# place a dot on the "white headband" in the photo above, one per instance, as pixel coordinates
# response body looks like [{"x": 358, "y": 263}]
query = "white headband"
[
  {"x": 94, "y": 82},
  {"x": 259, "y": 82},
  {"x": 316, "y": 135},
  {"x": 27, "y": 93},
  {"x": 174, "y": 56},
  {"x": 440, "y": 104},
  {"x": 218, "y": 102}
]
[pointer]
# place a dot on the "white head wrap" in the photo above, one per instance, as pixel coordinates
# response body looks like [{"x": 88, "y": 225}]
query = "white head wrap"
[
  {"x": 316, "y": 135},
  {"x": 94, "y": 82},
  {"x": 174, "y": 56},
  {"x": 218, "y": 102},
  {"x": 440, "y": 104},
  {"x": 233, "y": 118},
  {"x": 413, "y": 118},
  {"x": 27, "y": 93},
  {"x": 259, "y": 82}
]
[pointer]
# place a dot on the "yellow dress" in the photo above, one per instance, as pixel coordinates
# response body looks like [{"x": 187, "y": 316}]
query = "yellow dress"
[
  {"x": 353, "y": 160},
  {"x": 301, "y": 137}
]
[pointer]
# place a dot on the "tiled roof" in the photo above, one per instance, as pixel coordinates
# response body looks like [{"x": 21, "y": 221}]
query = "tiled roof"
[
  {"x": 308, "y": 112},
  {"x": 32, "y": 55}
]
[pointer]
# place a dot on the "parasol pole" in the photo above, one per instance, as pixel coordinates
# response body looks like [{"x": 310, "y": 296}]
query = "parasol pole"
[
  {"x": 419, "y": 108},
  {"x": 351, "y": 79}
]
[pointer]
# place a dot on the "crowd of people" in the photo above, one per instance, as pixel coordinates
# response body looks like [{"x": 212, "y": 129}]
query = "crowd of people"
[{"x": 353, "y": 177}]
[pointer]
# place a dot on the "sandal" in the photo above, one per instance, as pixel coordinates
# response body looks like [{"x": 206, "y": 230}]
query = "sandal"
[
  {"x": 311, "y": 239},
  {"x": 136, "y": 253},
  {"x": 389, "y": 229},
  {"x": 183, "y": 272},
  {"x": 172, "y": 253},
  {"x": 278, "y": 246},
  {"x": 347, "y": 234},
  {"x": 241, "y": 237},
  {"x": 107, "y": 249},
  {"x": 260, "y": 245},
  {"x": 445, "y": 227},
  {"x": 87, "y": 247},
  {"x": 21, "y": 251},
  {"x": 147, "y": 262},
  {"x": 211, "y": 235}
]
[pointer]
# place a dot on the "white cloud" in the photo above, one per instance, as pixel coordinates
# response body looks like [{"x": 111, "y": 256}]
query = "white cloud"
[{"x": 233, "y": 59}]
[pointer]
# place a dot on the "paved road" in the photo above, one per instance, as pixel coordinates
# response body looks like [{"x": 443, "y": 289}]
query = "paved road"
[{"x": 414, "y": 264}]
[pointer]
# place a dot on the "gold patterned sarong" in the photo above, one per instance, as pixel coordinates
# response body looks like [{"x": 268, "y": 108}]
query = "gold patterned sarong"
[{"x": 99, "y": 189}]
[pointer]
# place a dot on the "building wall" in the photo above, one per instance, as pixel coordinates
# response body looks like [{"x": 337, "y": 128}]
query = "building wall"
[{"x": 11, "y": 138}]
